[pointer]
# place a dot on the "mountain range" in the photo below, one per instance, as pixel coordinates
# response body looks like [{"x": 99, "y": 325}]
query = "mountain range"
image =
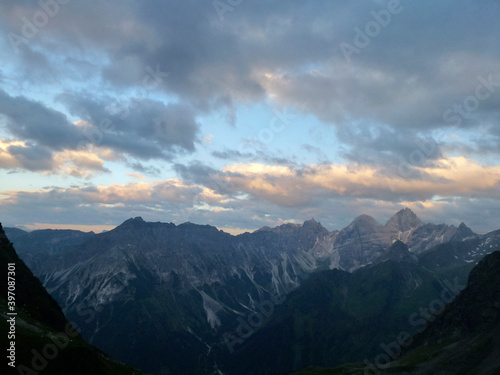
[{"x": 192, "y": 299}]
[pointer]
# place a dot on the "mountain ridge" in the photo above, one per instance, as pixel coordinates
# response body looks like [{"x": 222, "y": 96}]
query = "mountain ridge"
[{"x": 191, "y": 283}]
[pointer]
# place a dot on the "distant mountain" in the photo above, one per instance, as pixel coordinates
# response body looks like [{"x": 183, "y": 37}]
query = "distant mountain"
[
  {"x": 14, "y": 233},
  {"x": 361, "y": 242},
  {"x": 154, "y": 284},
  {"x": 419, "y": 236},
  {"x": 39, "y": 334},
  {"x": 397, "y": 252},
  {"x": 402, "y": 223}
]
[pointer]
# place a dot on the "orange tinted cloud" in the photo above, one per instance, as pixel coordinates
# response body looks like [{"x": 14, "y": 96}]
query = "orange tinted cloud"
[
  {"x": 284, "y": 185},
  {"x": 81, "y": 164}
]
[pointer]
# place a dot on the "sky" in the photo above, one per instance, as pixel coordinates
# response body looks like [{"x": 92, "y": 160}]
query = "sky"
[{"x": 242, "y": 114}]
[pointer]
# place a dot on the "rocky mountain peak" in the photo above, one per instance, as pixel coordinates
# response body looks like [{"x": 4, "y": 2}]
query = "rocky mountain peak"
[
  {"x": 311, "y": 221},
  {"x": 137, "y": 219},
  {"x": 313, "y": 224},
  {"x": 398, "y": 252},
  {"x": 404, "y": 220},
  {"x": 132, "y": 222},
  {"x": 364, "y": 220},
  {"x": 308, "y": 226},
  {"x": 264, "y": 229},
  {"x": 281, "y": 229},
  {"x": 463, "y": 231}
]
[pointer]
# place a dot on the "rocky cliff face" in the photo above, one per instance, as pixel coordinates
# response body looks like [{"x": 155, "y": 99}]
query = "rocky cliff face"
[
  {"x": 362, "y": 241},
  {"x": 419, "y": 236}
]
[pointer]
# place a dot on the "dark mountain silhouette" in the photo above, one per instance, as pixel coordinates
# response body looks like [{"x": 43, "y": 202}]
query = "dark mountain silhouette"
[
  {"x": 465, "y": 337},
  {"x": 44, "y": 341},
  {"x": 461, "y": 338}
]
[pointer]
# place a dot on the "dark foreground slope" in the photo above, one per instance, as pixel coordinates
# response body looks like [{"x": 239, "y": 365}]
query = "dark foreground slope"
[
  {"x": 462, "y": 339},
  {"x": 465, "y": 338},
  {"x": 39, "y": 337},
  {"x": 338, "y": 317}
]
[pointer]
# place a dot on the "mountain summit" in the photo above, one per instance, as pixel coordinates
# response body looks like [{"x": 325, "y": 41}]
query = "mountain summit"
[
  {"x": 136, "y": 221},
  {"x": 463, "y": 232},
  {"x": 397, "y": 252},
  {"x": 404, "y": 220}
]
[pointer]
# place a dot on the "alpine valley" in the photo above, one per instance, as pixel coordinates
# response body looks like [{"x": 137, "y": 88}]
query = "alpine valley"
[{"x": 191, "y": 299}]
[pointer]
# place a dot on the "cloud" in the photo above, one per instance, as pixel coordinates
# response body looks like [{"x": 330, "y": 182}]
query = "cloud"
[
  {"x": 32, "y": 121},
  {"x": 136, "y": 176},
  {"x": 32, "y": 158},
  {"x": 16, "y": 154},
  {"x": 285, "y": 50},
  {"x": 204, "y": 175},
  {"x": 169, "y": 201},
  {"x": 142, "y": 128},
  {"x": 80, "y": 164},
  {"x": 309, "y": 185},
  {"x": 453, "y": 177},
  {"x": 26, "y": 156},
  {"x": 149, "y": 170},
  {"x": 139, "y": 83},
  {"x": 255, "y": 151},
  {"x": 390, "y": 150}
]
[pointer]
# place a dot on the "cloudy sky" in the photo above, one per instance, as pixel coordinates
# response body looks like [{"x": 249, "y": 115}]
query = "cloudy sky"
[{"x": 245, "y": 113}]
